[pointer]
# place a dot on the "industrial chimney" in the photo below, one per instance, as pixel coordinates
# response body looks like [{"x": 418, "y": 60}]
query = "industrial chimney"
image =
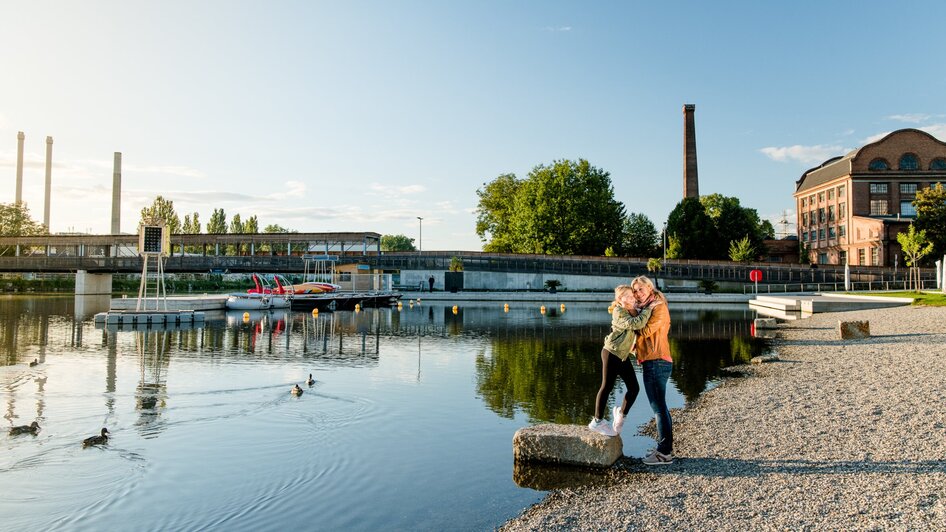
[
  {"x": 19, "y": 166},
  {"x": 49, "y": 180},
  {"x": 117, "y": 193},
  {"x": 691, "y": 183}
]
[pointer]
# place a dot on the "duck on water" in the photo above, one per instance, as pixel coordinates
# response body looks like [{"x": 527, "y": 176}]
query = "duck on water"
[{"x": 97, "y": 440}]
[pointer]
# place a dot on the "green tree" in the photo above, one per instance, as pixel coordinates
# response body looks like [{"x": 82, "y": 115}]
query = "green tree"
[
  {"x": 742, "y": 250},
  {"x": 275, "y": 228},
  {"x": 495, "y": 213},
  {"x": 930, "y": 204},
  {"x": 161, "y": 211},
  {"x": 397, "y": 243},
  {"x": 674, "y": 248},
  {"x": 915, "y": 246},
  {"x": 734, "y": 222},
  {"x": 564, "y": 208},
  {"x": 191, "y": 225},
  {"x": 15, "y": 220},
  {"x": 218, "y": 222},
  {"x": 693, "y": 230},
  {"x": 251, "y": 225},
  {"x": 640, "y": 236},
  {"x": 236, "y": 228}
]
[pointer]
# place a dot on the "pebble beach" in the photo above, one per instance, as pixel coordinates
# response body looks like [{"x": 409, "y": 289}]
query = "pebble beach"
[{"x": 837, "y": 434}]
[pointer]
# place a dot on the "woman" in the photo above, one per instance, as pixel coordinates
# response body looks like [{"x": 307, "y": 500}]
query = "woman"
[
  {"x": 653, "y": 354},
  {"x": 616, "y": 360}
]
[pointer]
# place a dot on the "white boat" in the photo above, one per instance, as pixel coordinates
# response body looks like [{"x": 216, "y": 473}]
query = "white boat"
[{"x": 257, "y": 301}]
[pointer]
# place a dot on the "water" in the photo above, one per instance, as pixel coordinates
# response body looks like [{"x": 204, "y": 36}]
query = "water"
[{"x": 408, "y": 426}]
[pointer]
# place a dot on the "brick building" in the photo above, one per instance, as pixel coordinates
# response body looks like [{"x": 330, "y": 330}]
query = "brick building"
[{"x": 851, "y": 208}]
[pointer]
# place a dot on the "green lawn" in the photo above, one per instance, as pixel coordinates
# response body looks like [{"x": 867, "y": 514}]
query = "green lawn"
[{"x": 919, "y": 298}]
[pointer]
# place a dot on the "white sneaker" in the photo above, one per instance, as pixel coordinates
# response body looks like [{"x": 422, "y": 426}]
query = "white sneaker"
[
  {"x": 658, "y": 458},
  {"x": 618, "y": 419},
  {"x": 602, "y": 427}
]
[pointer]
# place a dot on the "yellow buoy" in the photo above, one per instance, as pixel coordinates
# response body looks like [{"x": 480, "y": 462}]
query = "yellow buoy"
[
  {"x": 315, "y": 312},
  {"x": 454, "y": 310},
  {"x": 246, "y": 316},
  {"x": 563, "y": 307},
  {"x": 357, "y": 307},
  {"x": 542, "y": 309},
  {"x": 455, "y": 307},
  {"x": 506, "y": 307}
]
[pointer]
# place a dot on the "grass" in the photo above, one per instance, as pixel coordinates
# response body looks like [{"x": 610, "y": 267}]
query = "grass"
[{"x": 929, "y": 299}]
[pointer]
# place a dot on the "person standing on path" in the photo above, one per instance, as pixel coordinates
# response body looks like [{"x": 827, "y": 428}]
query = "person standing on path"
[
  {"x": 653, "y": 354},
  {"x": 616, "y": 360},
  {"x": 431, "y": 283}
]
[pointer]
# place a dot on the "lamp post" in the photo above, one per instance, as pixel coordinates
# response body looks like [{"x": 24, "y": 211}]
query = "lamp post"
[
  {"x": 420, "y": 236},
  {"x": 665, "y": 242}
]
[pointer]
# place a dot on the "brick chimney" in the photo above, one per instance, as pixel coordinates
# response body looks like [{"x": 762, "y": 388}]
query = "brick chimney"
[{"x": 691, "y": 182}]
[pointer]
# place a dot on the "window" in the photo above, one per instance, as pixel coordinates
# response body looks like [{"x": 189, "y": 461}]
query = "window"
[
  {"x": 804, "y": 236},
  {"x": 830, "y": 194},
  {"x": 841, "y": 192},
  {"x": 841, "y": 231},
  {"x": 878, "y": 188},
  {"x": 804, "y": 218},
  {"x": 830, "y": 213},
  {"x": 862, "y": 256},
  {"x": 811, "y": 200},
  {"x": 878, "y": 164},
  {"x": 821, "y": 216},
  {"x": 831, "y": 233},
  {"x": 874, "y": 256},
  {"x": 842, "y": 212},
  {"x": 878, "y": 207},
  {"x": 842, "y": 257},
  {"x": 938, "y": 163},
  {"x": 821, "y": 234},
  {"x": 909, "y": 162},
  {"x": 907, "y": 209},
  {"x": 821, "y": 197},
  {"x": 822, "y": 258},
  {"x": 804, "y": 202},
  {"x": 813, "y": 235},
  {"x": 907, "y": 188}
]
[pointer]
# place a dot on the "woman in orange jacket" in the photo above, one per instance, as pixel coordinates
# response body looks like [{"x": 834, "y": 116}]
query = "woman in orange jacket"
[{"x": 653, "y": 354}]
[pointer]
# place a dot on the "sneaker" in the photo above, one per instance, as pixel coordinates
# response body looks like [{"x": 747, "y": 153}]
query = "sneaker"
[
  {"x": 618, "y": 419},
  {"x": 658, "y": 458},
  {"x": 602, "y": 427}
]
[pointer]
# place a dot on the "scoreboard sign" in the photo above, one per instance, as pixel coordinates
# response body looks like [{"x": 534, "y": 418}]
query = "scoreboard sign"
[{"x": 153, "y": 240}]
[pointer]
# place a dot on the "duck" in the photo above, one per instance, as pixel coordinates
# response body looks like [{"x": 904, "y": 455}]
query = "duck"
[
  {"x": 310, "y": 381},
  {"x": 32, "y": 428},
  {"x": 97, "y": 440},
  {"x": 35, "y": 362},
  {"x": 296, "y": 390}
]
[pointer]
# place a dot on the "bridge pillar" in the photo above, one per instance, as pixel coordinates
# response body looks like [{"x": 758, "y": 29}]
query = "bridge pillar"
[{"x": 93, "y": 283}]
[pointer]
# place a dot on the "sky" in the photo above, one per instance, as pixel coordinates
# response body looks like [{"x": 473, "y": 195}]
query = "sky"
[{"x": 365, "y": 115}]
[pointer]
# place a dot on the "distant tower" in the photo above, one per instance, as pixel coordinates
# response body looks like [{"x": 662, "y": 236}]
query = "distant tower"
[
  {"x": 19, "y": 166},
  {"x": 117, "y": 193},
  {"x": 49, "y": 180},
  {"x": 691, "y": 183}
]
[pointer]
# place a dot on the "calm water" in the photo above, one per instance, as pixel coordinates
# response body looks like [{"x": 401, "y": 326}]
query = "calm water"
[{"x": 409, "y": 425}]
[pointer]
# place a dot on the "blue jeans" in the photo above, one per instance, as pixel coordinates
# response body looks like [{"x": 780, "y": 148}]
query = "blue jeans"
[{"x": 656, "y": 374}]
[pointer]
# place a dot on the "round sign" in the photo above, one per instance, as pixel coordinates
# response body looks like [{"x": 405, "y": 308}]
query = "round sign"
[{"x": 755, "y": 276}]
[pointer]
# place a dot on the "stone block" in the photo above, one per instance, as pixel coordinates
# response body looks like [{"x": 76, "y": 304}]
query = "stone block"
[
  {"x": 852, "y": 330},
  {"x": 765, "y": 323},
  {"x": 566, "y": 444},
  {"x": 762, "y": 359}
]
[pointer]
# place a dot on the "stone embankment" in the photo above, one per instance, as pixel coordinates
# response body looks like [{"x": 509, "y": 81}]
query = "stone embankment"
[{"x": 837, "y": 434}]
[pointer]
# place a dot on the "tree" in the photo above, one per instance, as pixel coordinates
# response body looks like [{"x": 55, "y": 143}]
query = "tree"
[
  {"x": 275, "y": 228},
  {"x": 191, "y": 225},
  {"x": 693, "y": 230},
  {"x": 397, "y": 243},
  {"x": 564, "y": 208},
  {"x": 218, "y": 222},
  {"x": 15, "y": 220},
  {"x": 494, "y": 213},
  {"x": 915, "y": 246},
  {"x": 742, "y": 250},
  {"x": 236, "y": 228},
  {"x": 161, "y": 211},
  {"x": 640, "y": 237},
  {"x": 734, "y": 222},
  {"x": 930, "y": 205},
  {"x": 251, "y": 225}
]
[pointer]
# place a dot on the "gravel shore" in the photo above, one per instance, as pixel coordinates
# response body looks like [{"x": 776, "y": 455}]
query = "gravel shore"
[{"x": 840, "y": 434}]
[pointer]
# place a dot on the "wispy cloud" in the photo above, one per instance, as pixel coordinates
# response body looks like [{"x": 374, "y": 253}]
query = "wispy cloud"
[
  {"x": 392, "y": 190},
  {"x": 557, "y": 29},
  {"x": 912, "y": 118},
  {"x": 937, "y": 130},
  {"x": 803, "y": 154}
]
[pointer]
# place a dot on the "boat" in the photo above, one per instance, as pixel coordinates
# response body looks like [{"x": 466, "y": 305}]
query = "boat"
[{"x": 264, "y": 295}]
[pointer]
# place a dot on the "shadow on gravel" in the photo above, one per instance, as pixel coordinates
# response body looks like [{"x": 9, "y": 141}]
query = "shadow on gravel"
[
  {"x": 876, "y": 339},
  {"x": 727, "y": 467}
]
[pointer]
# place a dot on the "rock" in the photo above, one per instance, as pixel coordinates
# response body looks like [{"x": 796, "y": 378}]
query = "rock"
[
  {"x": 566, "y": 444},
  {"x": 765, "y": 323},
  {"x": 849, "y": 330},
  {"x": 542, "y": 476},
  {"x": 761, "y": 359}
]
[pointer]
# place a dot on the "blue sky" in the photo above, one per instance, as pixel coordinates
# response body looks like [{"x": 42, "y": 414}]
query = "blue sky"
[{"x": 362, "y": 116}]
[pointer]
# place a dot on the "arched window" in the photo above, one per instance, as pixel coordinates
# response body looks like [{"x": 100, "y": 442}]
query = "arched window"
[
  {"x": 878, "y": 164},
  {"x": 908, "y": 161},
  {"x": 938, "y": 163}
]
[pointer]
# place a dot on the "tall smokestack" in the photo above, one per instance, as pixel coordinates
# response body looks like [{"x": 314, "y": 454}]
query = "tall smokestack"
[
  {"x": 691, "y": 183},
  {"x": 19, "y": 166},
  {"x": 117, "y": 193},
  {"x": 49, "y": 180}
]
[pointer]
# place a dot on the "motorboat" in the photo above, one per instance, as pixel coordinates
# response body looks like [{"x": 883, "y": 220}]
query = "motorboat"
[{"x": 264, "y": 295}]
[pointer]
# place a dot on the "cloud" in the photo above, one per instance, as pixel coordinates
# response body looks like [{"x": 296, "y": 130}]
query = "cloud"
[
  {"x": 182, "y": 171},
  {"x": 390, "y": 190},
  {"x": 558, "y": 29},
  {"x": 937, "y": 130},
  {"x": 803, "y": 154},
  {"x": 912, "y": 118}
]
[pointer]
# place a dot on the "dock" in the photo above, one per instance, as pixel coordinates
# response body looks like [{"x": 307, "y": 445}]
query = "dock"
[{"x": 795, "y": 306}]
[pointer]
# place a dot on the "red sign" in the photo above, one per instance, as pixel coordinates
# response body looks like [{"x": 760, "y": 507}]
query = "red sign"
[{"x": 755, "y": 276}]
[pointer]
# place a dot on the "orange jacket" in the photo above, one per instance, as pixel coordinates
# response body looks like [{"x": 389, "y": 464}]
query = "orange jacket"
[{"x": 653, "y": 341}]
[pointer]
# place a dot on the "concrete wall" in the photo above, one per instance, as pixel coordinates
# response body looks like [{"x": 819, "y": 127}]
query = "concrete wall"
[
  {"x": 93, "y": 283},
  {"x": 411, "y": 279}
]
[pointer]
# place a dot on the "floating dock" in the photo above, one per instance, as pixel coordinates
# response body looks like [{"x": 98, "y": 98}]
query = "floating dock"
[
  {"x": 790, "y": 307},
  {"x": 149, "y": 317}
]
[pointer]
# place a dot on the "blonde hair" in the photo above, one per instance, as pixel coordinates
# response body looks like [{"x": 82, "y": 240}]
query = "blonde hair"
[
  {"x": 620, "y": 291},
  {"x": 644, "y": 280}
]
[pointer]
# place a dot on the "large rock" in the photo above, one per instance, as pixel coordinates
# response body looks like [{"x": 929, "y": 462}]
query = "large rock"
[
  {"x": 566, "y": 444},
  {"x": 765, "y": 323},
  {"x": 849, "y": 330}
]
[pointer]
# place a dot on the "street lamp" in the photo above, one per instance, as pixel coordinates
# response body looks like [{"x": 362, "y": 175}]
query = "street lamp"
[
  {"x": 420, "y": 237},
  {"x": 665, "y": 242}
]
